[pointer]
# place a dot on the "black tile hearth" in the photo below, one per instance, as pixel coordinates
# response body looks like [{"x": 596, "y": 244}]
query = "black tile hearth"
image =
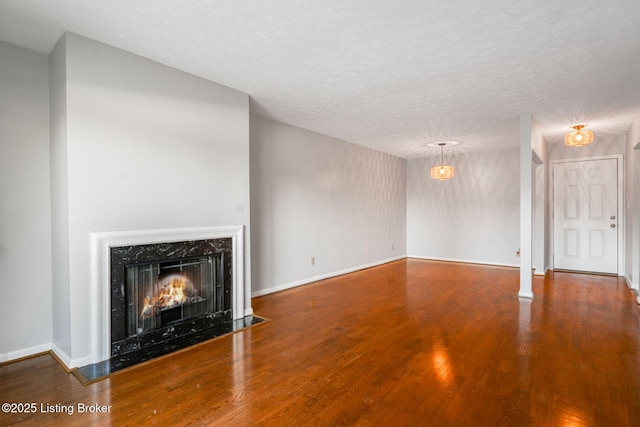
[{"x": 97, "y": 371}]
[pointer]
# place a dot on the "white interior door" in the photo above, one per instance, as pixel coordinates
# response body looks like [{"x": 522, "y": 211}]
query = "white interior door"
[{"x": 585, "y": 217}]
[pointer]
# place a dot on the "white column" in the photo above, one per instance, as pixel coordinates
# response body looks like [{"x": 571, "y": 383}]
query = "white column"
[
  {"x": 526, "y": 208},
  {"x": 635, "y": 219}
]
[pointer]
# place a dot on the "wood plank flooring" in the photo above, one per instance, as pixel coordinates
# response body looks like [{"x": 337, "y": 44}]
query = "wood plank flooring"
[{"x": 413, "y": 342}]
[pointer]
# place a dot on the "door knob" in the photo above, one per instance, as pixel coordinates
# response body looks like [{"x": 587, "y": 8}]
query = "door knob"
[
  {"x": 613, "y": 226},
  {"x": 612, "y": 217}
]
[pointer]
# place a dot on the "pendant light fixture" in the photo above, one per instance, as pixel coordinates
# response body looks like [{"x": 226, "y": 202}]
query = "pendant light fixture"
[
  {"x": 442, "y": 172},
  {"x": 578, "y": 137}
]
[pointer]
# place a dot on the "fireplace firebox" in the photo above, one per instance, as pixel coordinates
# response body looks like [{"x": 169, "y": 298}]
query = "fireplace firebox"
[{"x": 164, "y": 292}]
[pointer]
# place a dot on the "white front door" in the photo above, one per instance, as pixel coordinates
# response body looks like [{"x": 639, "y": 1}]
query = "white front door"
[{"x": 585, "y": 219}]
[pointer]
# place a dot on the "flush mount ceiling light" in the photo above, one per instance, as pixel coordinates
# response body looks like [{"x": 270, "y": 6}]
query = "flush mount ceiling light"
[
  {"x": 578, "y": 137},
  {"x": 442, "y": 172}
]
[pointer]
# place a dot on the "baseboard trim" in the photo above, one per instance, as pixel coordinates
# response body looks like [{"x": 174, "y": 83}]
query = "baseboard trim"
[
  {"x": 633, "y": 287},
  {"x": 308, "y": 280},
  {"x": 65, "y": 360},
  {"x": 25, "y": 353},
  {"x": 527, "y": 295},
  {"x": 630, "y": 283},
  {"x": 49, "y": 352},
  {"x": 67, "y": 369},
  {"x": 61, "y": 357},
  {"x": 494, "y": 264},
  {"x": 535, "y": 273}
]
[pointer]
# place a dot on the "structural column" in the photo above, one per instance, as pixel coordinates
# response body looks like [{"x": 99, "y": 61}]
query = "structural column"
[{"x": 526, "y": 208}]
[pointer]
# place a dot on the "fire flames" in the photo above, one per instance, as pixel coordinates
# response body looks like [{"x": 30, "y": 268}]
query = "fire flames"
[{"x": 174, "y": 290}]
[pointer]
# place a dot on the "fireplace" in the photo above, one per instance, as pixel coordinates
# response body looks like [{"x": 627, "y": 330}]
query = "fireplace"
[
  {"x": 191, "y": 280},
  {"x": 168, "y": 292}
]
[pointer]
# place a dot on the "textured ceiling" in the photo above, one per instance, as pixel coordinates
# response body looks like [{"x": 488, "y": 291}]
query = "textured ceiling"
[{"x": 391, "y": 75}]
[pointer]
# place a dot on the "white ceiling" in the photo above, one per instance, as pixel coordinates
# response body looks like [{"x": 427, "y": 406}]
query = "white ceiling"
[{"x": 391, "y": 75}]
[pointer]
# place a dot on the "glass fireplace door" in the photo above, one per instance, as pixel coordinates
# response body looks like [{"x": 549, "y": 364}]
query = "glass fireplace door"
[{"x": 163, "y": 292}]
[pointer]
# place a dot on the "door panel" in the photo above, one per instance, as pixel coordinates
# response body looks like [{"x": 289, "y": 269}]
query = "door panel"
[
  {"x": 597, "y": 241},
  {"x": 571, "y": 242},
  {"x": 585, "y": 216}
]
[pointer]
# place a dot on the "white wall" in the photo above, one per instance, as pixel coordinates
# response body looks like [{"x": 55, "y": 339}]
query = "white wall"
[
  {"x": 316, "y": 196},
  {"x": 147, "y": 147},
  {"x": 473, "y": 217},
  {"x": 632, "y": 205},
  {"x": 25, "y": 243}
]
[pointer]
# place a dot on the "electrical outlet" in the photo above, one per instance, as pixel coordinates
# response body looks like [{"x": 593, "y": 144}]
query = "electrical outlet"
[
  {"x": 518, "y": 252},
  {"x": 393, "y": 247},
  {"x": 313, "y": 260}
]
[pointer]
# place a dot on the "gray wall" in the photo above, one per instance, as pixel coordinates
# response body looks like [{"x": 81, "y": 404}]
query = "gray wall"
[
  {"x": 316, "y": 196},
  {"x": 25, "y": 228},
  {"x": 138, "y": 146},
  {"x": 473, "y": 217}
]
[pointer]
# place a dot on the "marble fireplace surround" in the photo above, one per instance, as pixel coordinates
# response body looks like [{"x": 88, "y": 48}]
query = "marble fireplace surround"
[{"x": 100, "y": 284}]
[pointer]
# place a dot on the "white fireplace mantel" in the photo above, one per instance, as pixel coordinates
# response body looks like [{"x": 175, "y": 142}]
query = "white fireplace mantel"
[{"x": 100, "y": 284}]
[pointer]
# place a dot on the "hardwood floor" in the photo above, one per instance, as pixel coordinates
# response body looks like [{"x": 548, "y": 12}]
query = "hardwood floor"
[{"x": 410, "y": 343}]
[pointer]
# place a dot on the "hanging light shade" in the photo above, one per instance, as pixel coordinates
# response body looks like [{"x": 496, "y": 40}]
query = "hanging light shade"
[
  {"x": 442, "y": 171},
  {"x": 578, "y": 137}
]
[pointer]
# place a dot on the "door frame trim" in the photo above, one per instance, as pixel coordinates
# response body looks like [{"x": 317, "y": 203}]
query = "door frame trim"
[{"x": 621, "y": 212}]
